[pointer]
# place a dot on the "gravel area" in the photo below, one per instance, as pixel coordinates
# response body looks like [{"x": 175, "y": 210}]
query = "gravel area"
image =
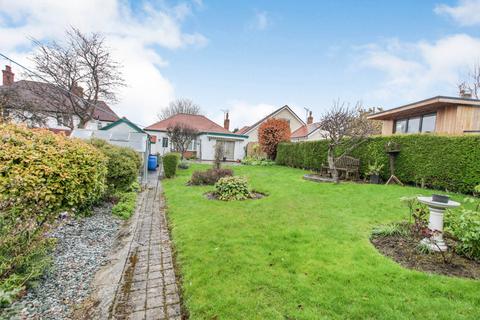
[{"x": 83, "y": 246}]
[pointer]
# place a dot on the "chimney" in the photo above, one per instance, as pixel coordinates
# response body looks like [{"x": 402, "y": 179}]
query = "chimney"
[
  {"x": 226, "y": 122},
  {"x": 310, "y": 118},
  {"x": 8, "y": 76}
]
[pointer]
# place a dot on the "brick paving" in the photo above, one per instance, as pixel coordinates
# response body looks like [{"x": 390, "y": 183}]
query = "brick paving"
[{"x": 148, "y": 289}]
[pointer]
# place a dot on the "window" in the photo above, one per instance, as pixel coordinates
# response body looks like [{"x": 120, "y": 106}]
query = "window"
[
  {"x": 165, "y": 142},
  {"x": 191, "y": 146},
  {"x": 425, "y": 123}
]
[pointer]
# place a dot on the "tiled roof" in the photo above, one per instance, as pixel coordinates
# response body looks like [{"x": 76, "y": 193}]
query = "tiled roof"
[
  {"x": 245, "y": 129},
  {"x": 305, "y": 130},
  {"x": 198, "y": 122},
  {"x": 45, "y": 97}
]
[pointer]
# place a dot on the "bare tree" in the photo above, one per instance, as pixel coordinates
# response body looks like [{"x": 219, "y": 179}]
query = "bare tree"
[
  {"x": 346, "y": 129},
  {"x": 181, "y": 136},
  {"x": 179, "y": 106},
  {"x": 82, "y": 72},
  {"x": 471, "y": 85},
  {"x": 219, "y": 153}
]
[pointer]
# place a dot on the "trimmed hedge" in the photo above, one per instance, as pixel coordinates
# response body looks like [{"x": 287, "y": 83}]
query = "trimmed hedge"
[
  {"x": 437, "y": 162},
  {"x": 123, "y": 165},
  {"x": 170, "y": 163},
  {"x": 41, "y": 174}
]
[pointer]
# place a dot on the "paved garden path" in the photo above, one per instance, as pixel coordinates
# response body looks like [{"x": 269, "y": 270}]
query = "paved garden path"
[{"x": 147, "y": 288}]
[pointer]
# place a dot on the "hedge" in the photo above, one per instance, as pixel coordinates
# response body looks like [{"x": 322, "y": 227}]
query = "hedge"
[
  {"x": 123, "y": 165},
  {"x": 170, "y": 163},
  {"x": 437, "y": 162},
  {"x": 41, "y": 174}
]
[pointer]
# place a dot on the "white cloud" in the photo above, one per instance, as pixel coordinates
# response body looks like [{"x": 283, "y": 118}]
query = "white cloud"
[
  {"x": 131, "y": 36},
  {"x": 421, "y": 69},
  {"x": 466, "y": 13},
  {"x": 260, "y": 21}
]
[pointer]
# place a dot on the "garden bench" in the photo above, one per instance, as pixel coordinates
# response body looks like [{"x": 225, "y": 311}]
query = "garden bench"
[{"x": 347, "y": 165}]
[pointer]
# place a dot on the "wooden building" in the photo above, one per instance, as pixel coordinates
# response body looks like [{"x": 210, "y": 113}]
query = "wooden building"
[{"x": 441, "y": 115}]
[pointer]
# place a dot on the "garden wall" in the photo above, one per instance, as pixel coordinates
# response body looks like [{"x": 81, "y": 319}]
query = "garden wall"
[{"x": 438, "y": 162}]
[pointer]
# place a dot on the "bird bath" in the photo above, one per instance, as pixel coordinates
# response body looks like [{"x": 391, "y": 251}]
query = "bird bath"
[{"x": 435, "y": 223}]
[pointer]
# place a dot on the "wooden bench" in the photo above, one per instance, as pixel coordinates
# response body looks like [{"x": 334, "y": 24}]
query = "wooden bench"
[{"x": 347, "y": 165}]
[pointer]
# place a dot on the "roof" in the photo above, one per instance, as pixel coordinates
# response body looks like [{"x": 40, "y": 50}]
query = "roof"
[
  {"x": 246, "y": 129},
  {"x": 424, "y": 106},
  {"x": 198, "y": 122},
  {"x": 126, "y": 121},
  {"x": 45, "y": 97},
  {"x": 305, "y": 130}
]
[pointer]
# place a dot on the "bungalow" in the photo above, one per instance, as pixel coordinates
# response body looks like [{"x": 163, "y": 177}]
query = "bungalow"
[
  {"x": 36, "y": 104},
  {"x": 442, "y": 115},
  {"x": 202, "y": 148},
  {"x": 308, "y": 132}
]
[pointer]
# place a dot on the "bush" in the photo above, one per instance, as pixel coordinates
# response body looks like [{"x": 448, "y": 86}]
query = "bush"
[
  {"x": 183, "y": 165},
  {"x": 209, "y": 177},
  {"x": 170, "y": 162},
  {"x": 253, "y": 161},
  {"x": 41, "y": 174},
  {"x": 438, "y": 162},
  {"x": 123, "y": 165},
  {"x": 271, "y": 133},
  {"x": 232, "y": 188},
  {"x": 464, "y": 225}
]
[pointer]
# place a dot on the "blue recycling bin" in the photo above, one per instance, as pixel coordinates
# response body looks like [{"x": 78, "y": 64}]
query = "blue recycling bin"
[{"x": 152, "y": 162}]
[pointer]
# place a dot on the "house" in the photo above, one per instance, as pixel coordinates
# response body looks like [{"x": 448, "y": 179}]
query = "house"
[
  {"x": 308, "y": 132},
  {"x": 203, "y": 147},
  {"x": 36, "y": 104},
  {"x": 284, "y": 113},
  {"x": 440, "y": 114}
]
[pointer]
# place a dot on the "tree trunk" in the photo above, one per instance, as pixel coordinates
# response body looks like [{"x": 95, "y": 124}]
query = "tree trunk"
[{"x": 331, "y": 163}]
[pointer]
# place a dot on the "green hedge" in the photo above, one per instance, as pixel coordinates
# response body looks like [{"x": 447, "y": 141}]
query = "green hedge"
[
  {"x": 41, "y": 174},
  {"x": 438, "y": 162},
  {"x": 170, "y": 163},
  {"x": 123, "y": 165}
]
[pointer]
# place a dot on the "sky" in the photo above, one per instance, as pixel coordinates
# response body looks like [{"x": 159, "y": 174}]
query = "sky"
[{"x": 252, "y": 57}]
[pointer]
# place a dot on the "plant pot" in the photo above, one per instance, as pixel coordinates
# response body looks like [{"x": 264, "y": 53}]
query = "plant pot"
[
  {"x": 440, "y": 198},
  {"x": 375, "y": 179},
  {"x": 224, "y": 159}
]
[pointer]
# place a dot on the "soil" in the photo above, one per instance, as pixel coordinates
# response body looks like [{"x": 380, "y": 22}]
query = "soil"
[
  {"x": 253, "y": 195},
  {"x": 403, "y": 249}
]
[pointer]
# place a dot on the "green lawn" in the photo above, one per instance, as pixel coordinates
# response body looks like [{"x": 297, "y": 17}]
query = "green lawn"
[{"x": 301, "y": 253}]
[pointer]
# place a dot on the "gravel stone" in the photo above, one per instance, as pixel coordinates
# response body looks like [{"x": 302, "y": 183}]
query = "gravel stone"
[{"x": 82, "y": 247}]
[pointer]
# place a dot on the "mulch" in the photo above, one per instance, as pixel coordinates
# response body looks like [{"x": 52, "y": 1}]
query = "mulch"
[{"x": 404, "y": 251}]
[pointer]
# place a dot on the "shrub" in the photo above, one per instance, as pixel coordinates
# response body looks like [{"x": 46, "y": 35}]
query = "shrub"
[
  {"x": 253, "y": 161},
  {"x": 183, "y": 165},
  {"x": 271, "y": 133},
  {"x": 232, "y": 188},
  {"x": 123, "y": 165},
  {"x": 209, "y": 177},
  {"x": 125, "y": 206},
  {"x": 170, "y": 162},
  {"x": 464, "y": 225},
  {"x": 392, "y": 229},
  {"x": 438, "y": 162},
  {"x": 41, "y": 174}
]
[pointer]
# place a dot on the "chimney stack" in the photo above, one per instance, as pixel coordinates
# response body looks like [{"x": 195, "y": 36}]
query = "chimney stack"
[
  {"x": 310, "y": 118},
  {"x": 226, "y": 122},
  {"x": 8, "y": 76}
]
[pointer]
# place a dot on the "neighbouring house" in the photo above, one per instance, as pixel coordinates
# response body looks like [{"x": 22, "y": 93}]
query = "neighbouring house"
[
  {"x": 308, "y": 132},
  {"x": 284, "y": 113},
  {"x": 203, "y": 147},
  {"x": 36, "y": 104},
  {"x": 440, "y": 115}
]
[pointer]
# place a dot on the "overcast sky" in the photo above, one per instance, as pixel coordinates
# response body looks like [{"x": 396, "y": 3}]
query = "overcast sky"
[{"x": 252, "y": 57}]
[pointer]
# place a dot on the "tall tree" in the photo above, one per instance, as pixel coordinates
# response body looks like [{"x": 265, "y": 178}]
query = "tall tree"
[
  {"x": 179, "y": 106},
  {"x": 181, "y": 136},
  {"x": 271, "y": 133},
  {"x": 471, "y": 83},
  {"x": 345, "y": 128},
  {"x": 82, "y": 72}
]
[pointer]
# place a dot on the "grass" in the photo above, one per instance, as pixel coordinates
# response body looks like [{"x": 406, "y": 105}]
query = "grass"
[{"x": 303, "y": 252}]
